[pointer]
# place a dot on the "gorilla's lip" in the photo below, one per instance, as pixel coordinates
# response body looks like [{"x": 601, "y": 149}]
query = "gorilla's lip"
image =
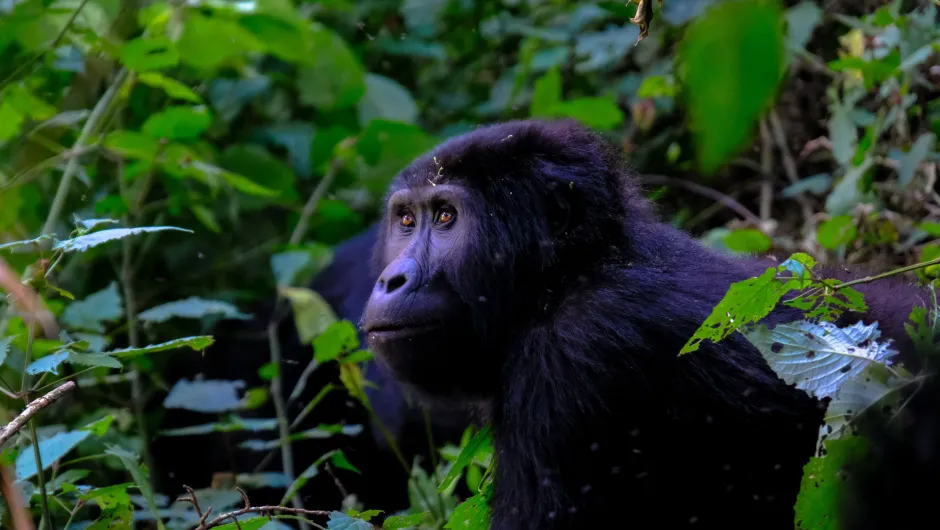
[{"x": 400, "y": 329}]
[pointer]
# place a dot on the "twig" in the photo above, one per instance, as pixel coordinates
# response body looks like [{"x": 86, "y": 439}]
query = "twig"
[
  {"x": 717, "y": 196},
  {"x": 248, "y": 508},
  {"x": 34, "y": 407},
  {"x": 72, "y": 167},
  {"x": 14, "y": 498},
  {"x": 311, "y": 206},
  {"x": 32, "y": 308},
  {"x": 767, "y": 172},
  {"x": 789, "y": 165},
  {"x": 902, "y": 270}
]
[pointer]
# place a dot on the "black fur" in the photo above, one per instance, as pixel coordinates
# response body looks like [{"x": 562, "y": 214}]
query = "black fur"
[{"x": 560, "y": 303}]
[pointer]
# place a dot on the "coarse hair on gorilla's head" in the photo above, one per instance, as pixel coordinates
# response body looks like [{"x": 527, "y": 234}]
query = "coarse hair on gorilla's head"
[
  {"x": 528, "y": 206},
  {"x": 520, "y": 268}
]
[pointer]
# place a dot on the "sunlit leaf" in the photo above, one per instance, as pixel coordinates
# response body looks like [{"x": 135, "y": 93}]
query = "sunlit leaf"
[
  {"x": 50, "y": 450},
  {"x": 312, "y": 314},
  {"x": 466, "y": 456},
  {"x": 85, "y": 242},
  {"x": 149, "y": 53},
  {"x": 203, "y": 39},
  {"x": 546, "y": 94},
  {"x": 820, "y": 500},
  {"x": 334, "y": 79},
  {"x": 178, "y": 123},
  {"x": 401, "y": 522},
  {"x": 385, "y": 99},
  {"x": 192, "y": 307},
  {"x": 748, "y": 241},
  {"x": 171, "y": 87},
  {"x": 599, "y": 112},
  {"x": 132, "y": 144},
  {"x": 130, "y": 462},
  {"x": 341, "y": 521},
  {"x": 205, "y": 396},
  {"x": 339, "y": 337},
  {"x": 197, "y": 343},
  {"x": 836, "y": 232},
  {"x": 93, "y": 312},
  {"x": 912, "y": 159}
]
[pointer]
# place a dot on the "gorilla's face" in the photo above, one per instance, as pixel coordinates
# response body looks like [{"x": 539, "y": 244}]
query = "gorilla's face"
[{"x": 416, "y": 320}]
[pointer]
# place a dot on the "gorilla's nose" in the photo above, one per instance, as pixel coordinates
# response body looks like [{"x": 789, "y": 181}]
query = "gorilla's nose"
[{"x": 399, "y": 273}]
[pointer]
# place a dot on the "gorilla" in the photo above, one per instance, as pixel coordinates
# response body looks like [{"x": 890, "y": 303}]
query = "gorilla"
[{"x": 522, "y": 275}]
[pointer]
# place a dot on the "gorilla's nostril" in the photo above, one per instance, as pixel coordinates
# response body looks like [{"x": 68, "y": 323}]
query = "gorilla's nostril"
[{"x": 395, "y": 282}]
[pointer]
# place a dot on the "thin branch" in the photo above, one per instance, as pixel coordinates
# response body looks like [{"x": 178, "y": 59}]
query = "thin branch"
[
  {"x": 13, "y": 496},
  {"x": 789, "y": 165},
  {"x": 61, "y": 194},
  {"x": 32, "y": 409},
  {"x": 717, "y": 196},
  {"x": 902, "y": 270},
  {"x": 248, "y": 508},
  {"x": 311, "y": 206},
  {"x": 767, "y": 172}
]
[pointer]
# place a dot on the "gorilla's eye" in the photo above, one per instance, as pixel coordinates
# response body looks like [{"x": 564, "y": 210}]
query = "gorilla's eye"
[
  {"x": 444, "y": 216},
  {"x": 407, "y": 220}
]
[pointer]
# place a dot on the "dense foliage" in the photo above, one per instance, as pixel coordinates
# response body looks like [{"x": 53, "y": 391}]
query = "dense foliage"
[{"x": 165, "y": 165}]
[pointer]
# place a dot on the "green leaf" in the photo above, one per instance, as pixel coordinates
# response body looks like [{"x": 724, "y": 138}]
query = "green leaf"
[
  {"x": 912, "y": 159},
  {"x": 298, "y": 266},
  {"x": 171, "y": 87},
  {"x": 129, "y": 460},
  {"x": 197, "y": 343},
  {"x": 149, "y": 53},
  {"x": 802, "y": 20},
  {"x": 598, "y": 112},
  {"x": 51, "y": 449},
  {"x": 178, "y": 123},
  {"x": 657, "y": 86},
  {"x": 387, "y": 147},
  {"x": 748, "y": 241},
  {"x": 11, "y": 120},
  {"x": 192, "y": 307},
  {"x": 4, "y": 348},
  {"x": 334, "y": 79},
  {"x": 546, "y": 94},
  {"x": 386, "y": 99},
  {"x": 338, "y": 338},
  {"x": 473, "y": 513},
  {"x": 261, "y": 167},
  {"x": 211, "y": 173},
  {"x": 400, "y": 522},
  {"x": 291, "y": 42},
  {"x": 26, "y": 242},
  {"x": 134, "y": 145},
  {"x": 836, "y": 232},
  {"x": 338, "y": 459},
  {"x": 94, "y": 311},
  {"x": 312, "y": 314},
  {"x": 817, "y": 184},
  {"x": 231, "y": 424},
  {"x": 466, "y": 456},
  {"x": 85, "y": 242},
  {"x": 253, "y": 523},
  {"x": 100, "y": 427},
  {"x": 732, "y": 58},
  {"x": 819, "y": 501},
  {"x": 211, "y": 42},
  {"x": 341, "y": 521},
  {"x": 848, "y": 193},
  {"x": 207, "y": 396},
  {"x": 932, "y": 228},
  {"x": 745, "y": 302}
]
